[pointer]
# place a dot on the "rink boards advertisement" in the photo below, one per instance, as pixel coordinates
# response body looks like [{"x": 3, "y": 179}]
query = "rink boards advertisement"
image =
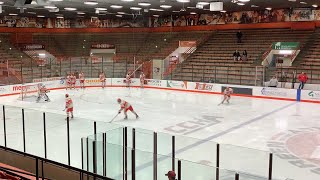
[{"x": 259, "y": 92}]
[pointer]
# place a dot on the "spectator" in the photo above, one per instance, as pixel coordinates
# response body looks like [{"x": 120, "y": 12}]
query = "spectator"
[
  {"x": 244, "y": 55},
  {"x": 303, "y": 78},
  {"x": 273, "y": 82},
  {"x": 236, "y": 56},
  {"x": 171, "y": 175},
  {"x": 239, "y": 36}
]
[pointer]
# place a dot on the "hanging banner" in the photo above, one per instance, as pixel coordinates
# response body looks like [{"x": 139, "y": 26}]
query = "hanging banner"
[{"x": 103, "y": 46}]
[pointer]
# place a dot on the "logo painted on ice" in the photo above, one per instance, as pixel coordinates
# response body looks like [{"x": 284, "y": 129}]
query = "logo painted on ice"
[
  {"x": 273, "y": 92},
  {"x": 300, "y": 147},
  {"x": 177, "y": 84},
  {"x": 314, "y": 95}
]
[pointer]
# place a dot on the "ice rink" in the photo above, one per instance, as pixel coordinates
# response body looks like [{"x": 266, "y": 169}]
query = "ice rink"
[{"x": 247, "y": 128}]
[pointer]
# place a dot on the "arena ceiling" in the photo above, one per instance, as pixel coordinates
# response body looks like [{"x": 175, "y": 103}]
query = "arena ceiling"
[{"x": 129, "y": 8}]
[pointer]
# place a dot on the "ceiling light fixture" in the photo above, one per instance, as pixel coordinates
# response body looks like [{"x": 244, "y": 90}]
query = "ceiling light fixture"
[
  {"x": 254, "y": 6},
  {"x": 81, "y": 13},
  {"x": 223, "y": 11},
  {"x": 70, "y": 9},
  {"x": 135, "y": 8},
  {"x": 243, "y": 0},
  {"x": 191, "y": 7},
  {"x": 314, "y": 5},
  {"x": 183, "y": 1},
  {"x": 1, "y": 2},
  {"x": 40, "y": 16},
  {"x": 144, "y": 4},
  {"x": 101, "y": 9},
  {"x": 91, "y": 3},
  {"x": 165, "y": 6},
  {"x": 55, "y": 0},
  {"x": 127, "y": 0},
  {"x": 155, "y": 15},
  {"x": 193, "y": 13},
  {"x": 152, "y": 9},
  {"x": 240, "y": 4},
  {"x": 203, "y": 3},
  {"x": 175, "y": 11},
  {"x": 116, "y": 6},
  {"x": 302, "y": 2},
  {"x": 31, "y": 12},
  {"x": 268, "y": 8},
  {"x": 13, "y": 14},
  {"x": 50, "y": 7},
  {"x": 60, "y": 17},
  {"x": 121, "y": 12},
  {"x": 119, "y": 15}
]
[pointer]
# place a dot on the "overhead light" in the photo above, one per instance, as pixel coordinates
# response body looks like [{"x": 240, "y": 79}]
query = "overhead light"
[
  {"x": 127, "y": 0},
  {"x": 175, "y": 11},
  {"x": 116, "y": 6},
  {"x": 223, "y": 11},
  {"x": 191, "y": 7},
  {"x": 121, "y": 12},
  {"x": 183, "y": 1},
  {"x": 91, "y": 3},
  {"x": 292, "y": 0},
  {"x": 55, "y": 0},
  {"x": 50, "y": 7},
  {"x": 1, "y": 2},
  {"x": 155, "y": 15},
  {"x": 183, "y": 10},
  {"x": 244, "y": 0},
  {"x": 31, "y": 12},
  {"x": 119, "y": 15},
  {"x": 144, "y": 4},
  {"x": 135, "y": 8},
  {"x": 21, "y": 8},
  {"x": 314, "y": 5},
  {"x": 70, "y": 9},
  {"x": 254, "y": 6},
  {"x": 203, "y": 3},
  {"x": 165, "y": 6},
  {"x": 13, "y": 14},
  {"x": 40, "y": 16},
  {"x": 302, "y": 2},
  {"x": 240, "y": 4},
  {"x": 60, "y": 17},
  {"x": 101, "y": 9},
  {"x": 285, "y": 52},
  {"x": 268, "y": 8},
  {"x": 42, "y": 54},
  {"x": 81, "y": 13},
  {"x": 193, "y": 13},
  {"x": 152, "y": 9}
]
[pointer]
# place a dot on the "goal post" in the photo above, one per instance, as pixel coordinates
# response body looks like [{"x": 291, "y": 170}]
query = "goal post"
[{"x": 28, "y": 91}]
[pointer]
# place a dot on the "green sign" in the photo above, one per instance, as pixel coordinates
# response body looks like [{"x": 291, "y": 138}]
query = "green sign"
[{"x": 285, "y": 45}]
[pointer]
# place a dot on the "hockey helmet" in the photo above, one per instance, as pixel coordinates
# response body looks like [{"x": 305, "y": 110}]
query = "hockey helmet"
[
  {"x": 67, "y": 95},
  {"x": 119, "y": 100}
]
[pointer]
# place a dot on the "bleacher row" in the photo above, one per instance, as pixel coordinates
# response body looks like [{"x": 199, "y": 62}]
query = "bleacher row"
[{"x": 212, "y": 61}]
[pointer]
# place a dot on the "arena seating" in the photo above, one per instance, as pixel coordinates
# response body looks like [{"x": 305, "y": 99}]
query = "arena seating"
[{"x": 213, "y": 60}]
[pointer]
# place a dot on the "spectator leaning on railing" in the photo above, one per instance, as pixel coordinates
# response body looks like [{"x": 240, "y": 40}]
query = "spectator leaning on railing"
[
  {"x": 303, "y": 78},
  {"x": 273, "y": 82}
]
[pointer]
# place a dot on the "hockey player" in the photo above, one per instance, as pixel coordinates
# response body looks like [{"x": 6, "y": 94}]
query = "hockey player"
[
  {"x": 227, "y": 95},
  {"x": 68, "y": 81},
  {"x": 69, "y": 106},
  {"x": 142, "y": 78},
  {"x": 102, "y": 78},
  {"x": 42, "y": 92},
  {"x": 128, "y": 80},
  {"x": 125, "y": 106},
  {"x": 73, "y": 81},
  {"x": 81, "y": 77}
]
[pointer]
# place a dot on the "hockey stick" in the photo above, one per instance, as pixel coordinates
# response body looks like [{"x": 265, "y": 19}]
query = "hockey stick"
[
  {"x": 64, "y": 109},
  {"x": 114, "y": 118}
]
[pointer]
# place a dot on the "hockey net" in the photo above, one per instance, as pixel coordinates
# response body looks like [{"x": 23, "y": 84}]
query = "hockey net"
[{"x": 28, "y": 91}]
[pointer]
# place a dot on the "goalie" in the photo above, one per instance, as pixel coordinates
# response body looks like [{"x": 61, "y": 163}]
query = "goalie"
[{"x": 42, "y": 93}]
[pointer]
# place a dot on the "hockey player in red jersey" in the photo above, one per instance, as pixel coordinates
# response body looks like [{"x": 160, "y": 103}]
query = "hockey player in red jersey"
[
  {"x": 81, "y": 79},
  {"x": 125, "y": 106},
  {"x": 69, "y": 106}
]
